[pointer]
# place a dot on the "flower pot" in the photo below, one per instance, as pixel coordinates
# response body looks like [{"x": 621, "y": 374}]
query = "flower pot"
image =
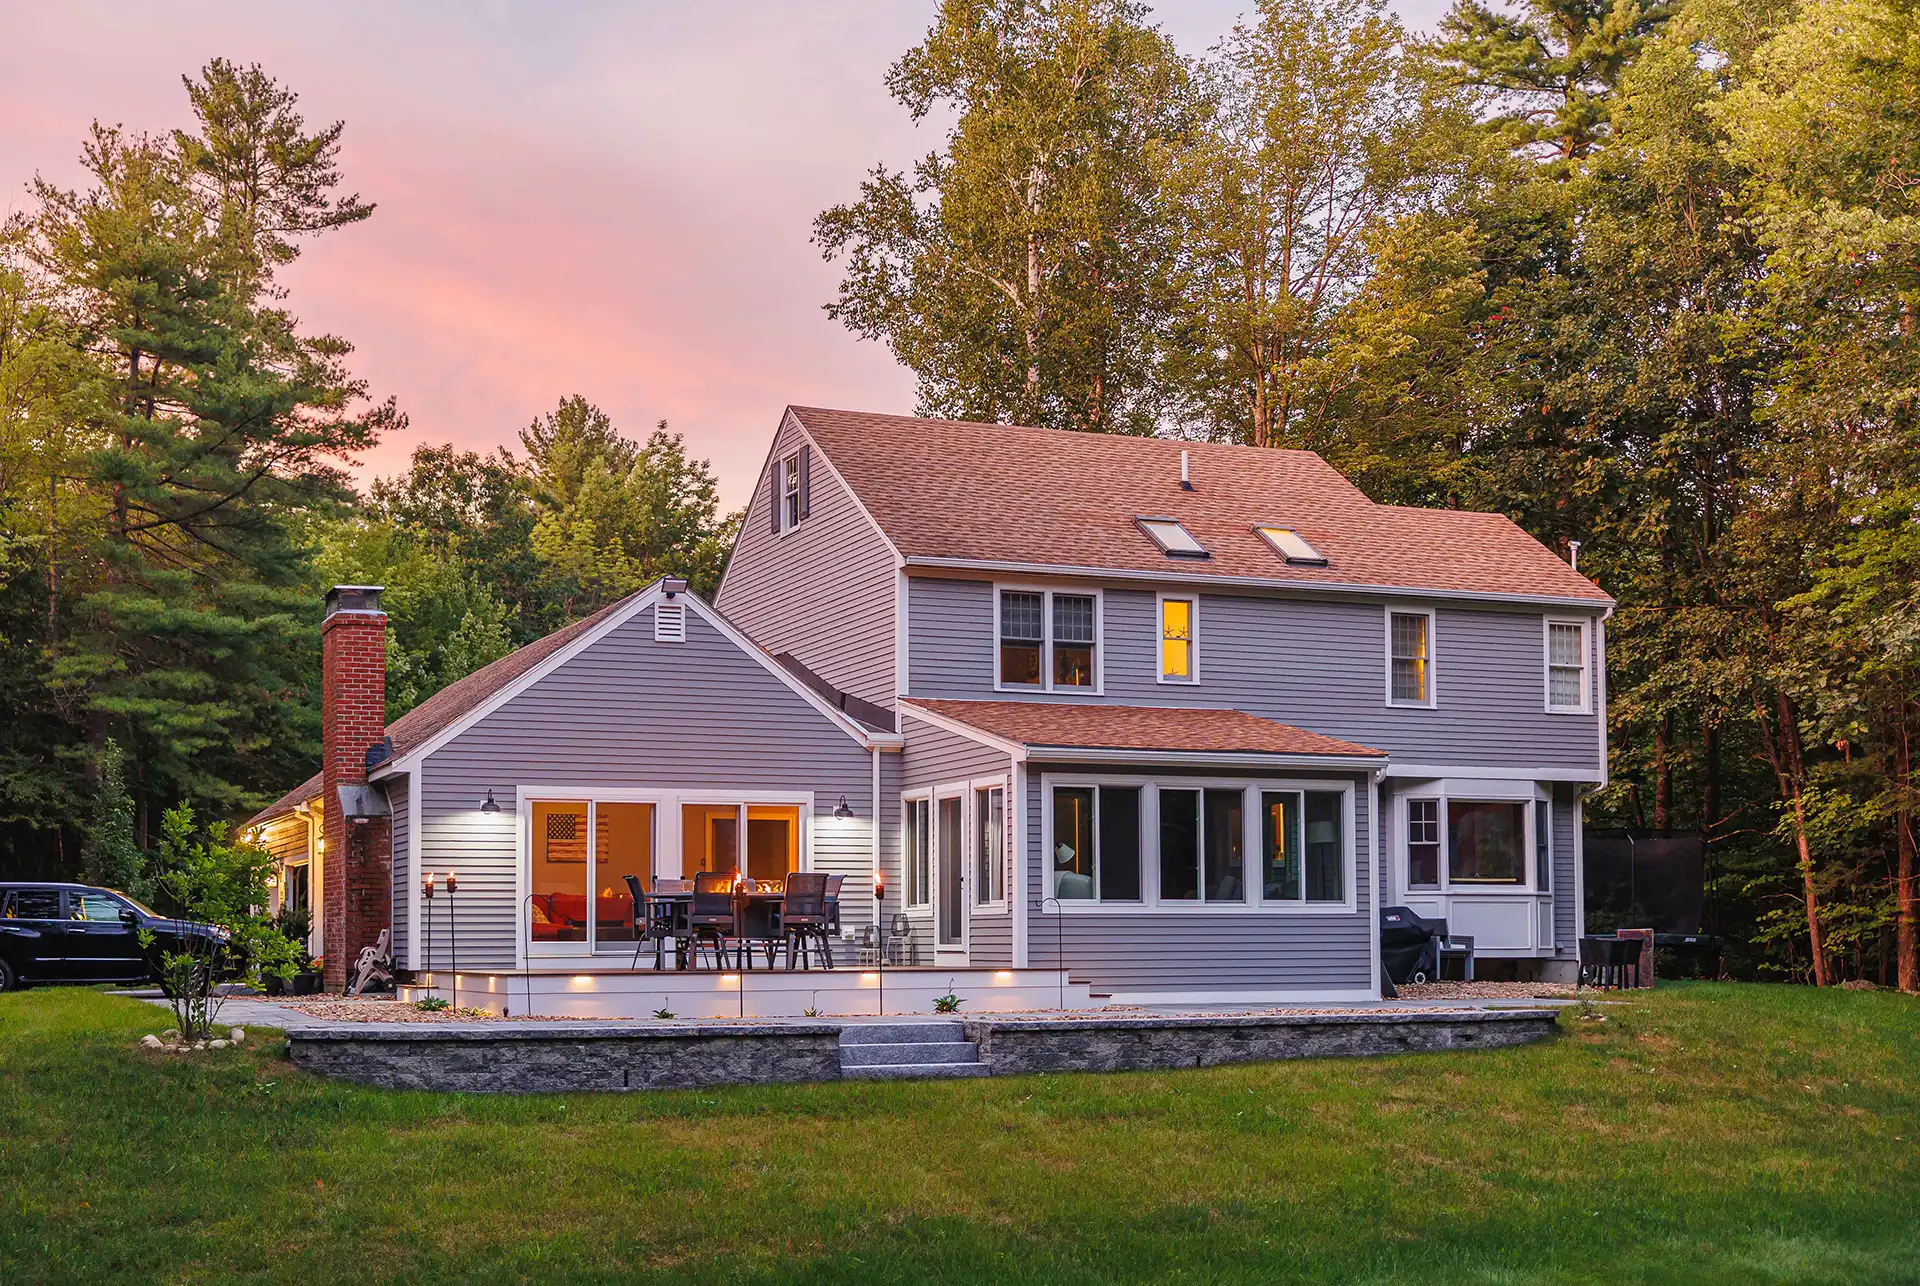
[
  {"x": 307, "y": 984},
  {"x": 273, "y": 984}
]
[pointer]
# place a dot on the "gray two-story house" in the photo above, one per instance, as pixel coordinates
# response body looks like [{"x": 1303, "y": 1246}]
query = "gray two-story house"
[
  {"x": 1181, "y": 716},
  {"x": 1175, "y": 719}
]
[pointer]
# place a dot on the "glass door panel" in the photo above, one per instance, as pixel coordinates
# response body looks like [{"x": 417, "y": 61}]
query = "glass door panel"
[
  {"x": 622, "y": 846},
  {"x": 773, "y": 841},
  {"x": 557, "y": 897},
  {"x": 710, "y": 838},
  {"x": 951, "y": 912}
]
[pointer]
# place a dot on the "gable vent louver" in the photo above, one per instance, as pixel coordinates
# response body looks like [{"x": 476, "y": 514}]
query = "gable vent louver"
[{"x": 670, "y": 623}]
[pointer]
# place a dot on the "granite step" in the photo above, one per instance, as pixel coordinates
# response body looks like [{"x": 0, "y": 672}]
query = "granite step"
[
  {"x": 909, "y": 1033},
  {"x": 908, "y": 1051},
  {"x": 897, "y": 1055},
  {"x": 914, "y": 1071}
]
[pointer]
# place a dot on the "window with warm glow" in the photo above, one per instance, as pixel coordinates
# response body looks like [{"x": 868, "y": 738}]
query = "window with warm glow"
[
  {"x": 1176, "y": 640},
  {"x": 557, "y": 906},
  {"x": 1410, "y": 677},
  {"x": 622, "y": 846}
]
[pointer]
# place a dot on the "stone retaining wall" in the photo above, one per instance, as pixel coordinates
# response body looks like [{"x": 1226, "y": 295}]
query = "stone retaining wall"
[
  {"x": 532, "y": 1058},
  {"x": 1126, "y": 1044},
  {"x": 555, "y": 1057}
]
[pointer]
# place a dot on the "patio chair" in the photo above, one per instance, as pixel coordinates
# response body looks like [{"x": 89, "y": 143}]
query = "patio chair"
[
  {"x": 652, "y": 922},
  {"x": 833, "y": 903},
  {"x": 804, "y": 918},
  {"x": 1604, "y": 962},
  {"x": 711, "y": 920}
]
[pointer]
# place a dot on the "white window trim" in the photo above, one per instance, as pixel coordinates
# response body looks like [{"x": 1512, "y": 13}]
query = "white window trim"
[
  {"x": 1433, "y": 657},
  {"x": 1004, "y": 903},
  {"x": 1546, "y": 665},
  {"x": 906, "y": 828},
  {"x": 1046, "y": 593},
  {"x": 1445, "y": 793},
  {"x": 790, "y": 490},
  {"x": 1160, "y": 638},
  {"x": 666, "y": 840},
  {"x": 1150, "y": 900}
]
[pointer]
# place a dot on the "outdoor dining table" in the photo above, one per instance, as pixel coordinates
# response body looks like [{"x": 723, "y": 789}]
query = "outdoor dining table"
[{"x": 756, "y": 918}]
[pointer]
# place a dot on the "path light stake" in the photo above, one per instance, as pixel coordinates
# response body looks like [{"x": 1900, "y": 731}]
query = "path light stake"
[
  {"x": 880, "y": 915},
  {"x": 426, "y": 891},
  {"x": 1059, "y": 952},
  {"x": 453, "y": 935}
]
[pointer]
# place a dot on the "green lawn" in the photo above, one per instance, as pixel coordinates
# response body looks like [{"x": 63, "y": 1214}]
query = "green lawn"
[{"x": 1711, "y": 1133}]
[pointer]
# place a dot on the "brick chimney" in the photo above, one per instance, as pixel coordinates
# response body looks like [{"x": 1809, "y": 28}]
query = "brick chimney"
[{"x": 357, "y": 866}]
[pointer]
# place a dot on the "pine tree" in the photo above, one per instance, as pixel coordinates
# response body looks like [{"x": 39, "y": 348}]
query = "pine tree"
[{"x": 111, "y": 857}]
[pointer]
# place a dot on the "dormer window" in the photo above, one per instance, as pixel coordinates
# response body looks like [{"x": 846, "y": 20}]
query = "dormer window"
[
  {"x": 790, "y": 498},
  {"x": 1292, "y": 546},
  {"x": 1175, "y": 541}
]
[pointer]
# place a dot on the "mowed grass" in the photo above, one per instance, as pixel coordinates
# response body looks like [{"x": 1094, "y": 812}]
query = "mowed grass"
[{"x": 1704, "y": 1134}]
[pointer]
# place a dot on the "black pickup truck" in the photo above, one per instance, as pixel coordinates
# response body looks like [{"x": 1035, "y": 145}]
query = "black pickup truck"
[{"x": 78, "y": 933}]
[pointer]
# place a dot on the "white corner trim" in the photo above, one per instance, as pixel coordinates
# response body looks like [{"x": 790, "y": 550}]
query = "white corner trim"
[
  {"x": 415, "y": 788},
  {"x": 1018, "y": 894}
]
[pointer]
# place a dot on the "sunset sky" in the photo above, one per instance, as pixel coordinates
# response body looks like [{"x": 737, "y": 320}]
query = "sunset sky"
[{"x": 608, "y": 199}]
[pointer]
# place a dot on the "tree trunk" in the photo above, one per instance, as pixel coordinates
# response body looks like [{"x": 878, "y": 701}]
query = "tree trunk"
[
  {"x": 1907, "y": 935},
  {"x": 1789, "y": 770},
  {"x": 1662, "y": 773}
]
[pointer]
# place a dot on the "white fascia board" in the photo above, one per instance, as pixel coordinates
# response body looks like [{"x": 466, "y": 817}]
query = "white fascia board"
[
  {"x": 1175, "y": 576},
  {"x": 1425, "y": 772},
  {"x": 1204, "y": 758}
]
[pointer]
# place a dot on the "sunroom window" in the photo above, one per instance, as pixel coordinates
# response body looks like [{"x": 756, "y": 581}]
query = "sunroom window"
[{"x": 1096, "y": 844}]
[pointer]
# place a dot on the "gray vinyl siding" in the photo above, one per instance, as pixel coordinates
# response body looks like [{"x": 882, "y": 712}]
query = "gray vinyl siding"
[
  {"x": 1197, "y": 950},
  {"x": 935, "y": 757},
  {"x": 630, "y": 712},
  {"x": 823, "y": 591},
  {"x": 1317, "y": 663},
  {"x": 397, "y": 796}
]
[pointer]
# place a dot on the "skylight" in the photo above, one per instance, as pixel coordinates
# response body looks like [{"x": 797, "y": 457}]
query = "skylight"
[
  {"x": 1174, "y": 540},
  {"x": 1292, "y": 546}
]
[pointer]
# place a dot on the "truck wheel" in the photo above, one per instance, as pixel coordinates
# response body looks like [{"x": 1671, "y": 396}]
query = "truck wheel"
[{"x": 7, "y": 981}]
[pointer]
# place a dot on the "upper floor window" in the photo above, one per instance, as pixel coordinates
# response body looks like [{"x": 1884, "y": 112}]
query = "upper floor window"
[
  {"x": 1176, "y": 640},
  {"x": 1410, "y": 658},
  {"x": 1567, "y": 687},
  {"x": 1048, "y": 639},
  {"x": 790, "y": 492}
]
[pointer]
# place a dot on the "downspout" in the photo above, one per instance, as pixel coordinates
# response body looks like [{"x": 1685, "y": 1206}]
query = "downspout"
[
  {"x": 1374, "y": 811},
  {"x": 879, "y": 912}
]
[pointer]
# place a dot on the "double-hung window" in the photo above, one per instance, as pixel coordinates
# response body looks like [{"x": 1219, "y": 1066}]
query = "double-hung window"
[
  {"x": 1567, "y": 684},
  {"x": 990, "y": 845},
  {"x": 790, "y": 492},
  {"x": 1048, "y": 639},
  {"x": 1177, "y": 640},
  {"x": 1409, "y": 658},
  {"x": 1423, "y": 843}
]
